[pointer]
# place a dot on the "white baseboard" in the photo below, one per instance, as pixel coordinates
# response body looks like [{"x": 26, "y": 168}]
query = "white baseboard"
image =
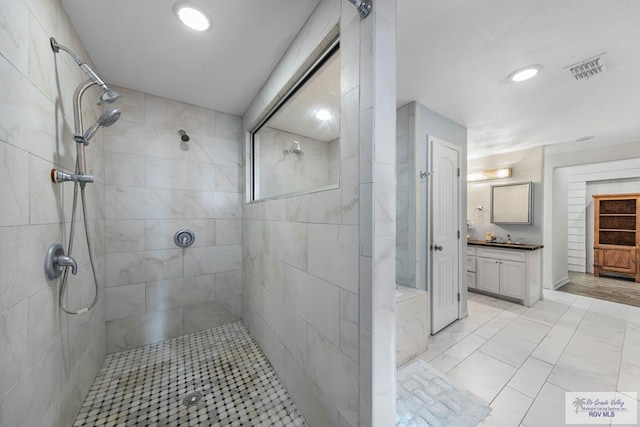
[{"x": 561, "y": 282}]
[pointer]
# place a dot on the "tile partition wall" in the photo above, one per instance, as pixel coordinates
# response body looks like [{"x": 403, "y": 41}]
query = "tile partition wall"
[
  {"x": 319, "y": 269},
  {"x": 405, "y": 199},
  {"x": 47, "y": 359},
  {"x": 155, "y": 186}
]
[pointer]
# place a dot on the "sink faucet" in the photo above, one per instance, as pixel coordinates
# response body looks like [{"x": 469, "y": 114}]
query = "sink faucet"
[{"x": 509, "y": 238}]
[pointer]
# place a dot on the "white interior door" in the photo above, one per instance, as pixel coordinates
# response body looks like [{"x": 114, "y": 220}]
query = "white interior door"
[{"x": 445, "y": 234}]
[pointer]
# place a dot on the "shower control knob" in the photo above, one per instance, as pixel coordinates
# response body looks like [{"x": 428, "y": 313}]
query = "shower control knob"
[{"x": 184, "y": 238}]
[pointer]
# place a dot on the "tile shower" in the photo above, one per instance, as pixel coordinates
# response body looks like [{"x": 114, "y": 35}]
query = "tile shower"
[
  {"x": 49, "y": 360},
  {"x": 156, "y": 185}
]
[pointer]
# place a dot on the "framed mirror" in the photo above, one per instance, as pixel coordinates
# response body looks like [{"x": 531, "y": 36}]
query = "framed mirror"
[
  {"x": 295, "y": 150},
  {"x": 512, "y": 203}
]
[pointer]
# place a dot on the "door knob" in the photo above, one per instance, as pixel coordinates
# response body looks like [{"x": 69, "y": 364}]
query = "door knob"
[{"x": 437, "y": 247}]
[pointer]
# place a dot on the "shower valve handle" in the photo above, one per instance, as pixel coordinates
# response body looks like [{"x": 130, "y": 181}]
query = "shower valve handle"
[
  {"x": 66, "y": 261},
  {"x": 55, "y": 261}
]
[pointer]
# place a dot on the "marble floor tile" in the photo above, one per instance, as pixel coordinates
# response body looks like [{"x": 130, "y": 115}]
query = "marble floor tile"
[
  {"x": 482, "y": 375},
  {"x": 629, "y": 376},
  {"x": 527, "y": 329},
  {"x": 507, "y": 409},
  {"x": 465, "y": 347},
  {"x": 508, "y": 348},
  {"x": 444, "y": 362},
  {"x": 533, "y": 355},
  {"x": 491, "y": 328},
  {"x": 548, "y": 409},
  {"x": 531, "y": 377},
  {"x": 542, "y": 316}
]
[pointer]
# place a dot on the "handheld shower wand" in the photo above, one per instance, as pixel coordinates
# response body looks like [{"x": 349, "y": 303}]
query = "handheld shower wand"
[{"x": 80, "y": 177}]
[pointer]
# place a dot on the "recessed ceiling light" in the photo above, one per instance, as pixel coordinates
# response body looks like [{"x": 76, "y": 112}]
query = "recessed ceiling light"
[
  {"x": 524, "y": 73},
  {"x": 323, "y": 115},
  {"x": 192, "y": 16}
]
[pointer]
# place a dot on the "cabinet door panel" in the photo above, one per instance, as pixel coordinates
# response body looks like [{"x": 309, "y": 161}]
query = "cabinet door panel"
[
  {"x": 488, "y": 274},
  {"x": 471, "y": 279},
  {"x": 471, "y": 263},
  {"x": 621, "y": 260},
  {"x": 513, "y": 279}
]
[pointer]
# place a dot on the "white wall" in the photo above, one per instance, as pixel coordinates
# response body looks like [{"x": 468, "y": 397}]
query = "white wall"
[
  {"x": 155, "y": 186},
  {"x": 430, "y": 123},
  {"x": 319, "y": 269},
  {"x": 48, "y": 359},
  {"x": 560, "y": 248},
  {"x": 526, "y": 166},
  {"x": 415, "y": 123}
]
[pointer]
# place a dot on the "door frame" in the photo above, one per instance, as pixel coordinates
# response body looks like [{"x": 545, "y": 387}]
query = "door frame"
[{"x": 429, "y": 225}]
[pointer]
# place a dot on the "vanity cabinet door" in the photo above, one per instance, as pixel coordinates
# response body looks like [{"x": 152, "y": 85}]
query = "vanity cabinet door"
[
  {"x": 471, "y": 279},
  {"x": 513, "y": 278},
  {"x": 488, "y": 274}
]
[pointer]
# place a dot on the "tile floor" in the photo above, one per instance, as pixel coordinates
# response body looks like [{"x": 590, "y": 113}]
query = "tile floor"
[
  {"x": 217, "y": 377},
  {"x": 522, "y": 360}
]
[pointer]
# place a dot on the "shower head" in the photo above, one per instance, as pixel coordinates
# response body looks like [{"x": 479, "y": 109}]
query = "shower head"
[
  {"x": 108, "y": 97},
  {"x": 106, "y": 119},
  {"x": 295, "y": 149}
]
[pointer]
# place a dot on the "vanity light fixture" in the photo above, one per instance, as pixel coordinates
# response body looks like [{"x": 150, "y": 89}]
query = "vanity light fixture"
[
  {"x": 192, "y": 16},
  {"x": 524, "y": 73},
  {"x": 323, "y": 115},
  {"x": 489, "y": 174}
]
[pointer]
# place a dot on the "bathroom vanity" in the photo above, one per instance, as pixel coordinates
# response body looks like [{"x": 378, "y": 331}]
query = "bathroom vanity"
[{"x": 505, "y": 270}]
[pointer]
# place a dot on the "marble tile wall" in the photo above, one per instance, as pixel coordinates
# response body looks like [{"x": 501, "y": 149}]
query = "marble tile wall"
[
  {"x": 319, "y": 269},
  {"x": 48, "y": 359},
  {"x": 155, "y": 186},
  {"x": 405, "y": 196},
  {"x": 378, "y": 101},
  {"x": 412, "y": 323}
]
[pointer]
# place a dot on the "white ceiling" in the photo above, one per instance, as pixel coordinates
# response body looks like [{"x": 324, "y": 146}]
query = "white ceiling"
[
  {"x": 453, "y": 57},
  {"x": 139, "y": 44}
]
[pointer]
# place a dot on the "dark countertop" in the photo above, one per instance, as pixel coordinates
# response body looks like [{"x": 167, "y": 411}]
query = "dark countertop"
[{"x": 522, "y": 247}]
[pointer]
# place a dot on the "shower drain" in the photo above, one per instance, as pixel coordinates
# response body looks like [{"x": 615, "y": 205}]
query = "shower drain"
[{"x": 192, "y": 399}]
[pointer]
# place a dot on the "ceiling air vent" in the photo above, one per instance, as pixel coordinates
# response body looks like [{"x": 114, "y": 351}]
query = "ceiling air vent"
[{"x": 586, "y": 69}]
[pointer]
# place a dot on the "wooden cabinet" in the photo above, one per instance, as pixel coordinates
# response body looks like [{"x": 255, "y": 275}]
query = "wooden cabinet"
[
  {"x": 511, "y": 273},
  {"x": 616, "y": 239}
]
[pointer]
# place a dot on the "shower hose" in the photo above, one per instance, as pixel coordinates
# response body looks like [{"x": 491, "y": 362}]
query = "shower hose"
[{"x": 63, "y": 285}]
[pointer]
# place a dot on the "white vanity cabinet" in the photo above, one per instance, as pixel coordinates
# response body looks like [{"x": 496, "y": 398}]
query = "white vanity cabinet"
[
  {"x": 513, "y": 273},
  {"x": 471, "y": 267}
]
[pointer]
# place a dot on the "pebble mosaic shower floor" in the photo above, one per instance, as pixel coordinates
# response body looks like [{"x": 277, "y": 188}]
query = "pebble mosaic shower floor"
[{"x": 217, "y": 377}]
